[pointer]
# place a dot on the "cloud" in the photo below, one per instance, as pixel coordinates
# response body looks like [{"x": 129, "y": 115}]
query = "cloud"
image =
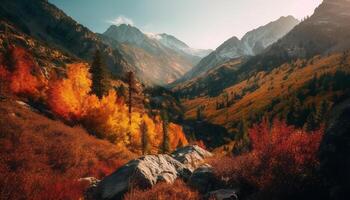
[{"x": 121, "y": 20}]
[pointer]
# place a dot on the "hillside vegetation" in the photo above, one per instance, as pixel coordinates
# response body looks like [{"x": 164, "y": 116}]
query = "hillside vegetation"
[{"x": 303, "y": 82}]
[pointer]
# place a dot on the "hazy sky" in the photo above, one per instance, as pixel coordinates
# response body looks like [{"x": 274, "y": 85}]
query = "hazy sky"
[{"x": 199, "y": 23}]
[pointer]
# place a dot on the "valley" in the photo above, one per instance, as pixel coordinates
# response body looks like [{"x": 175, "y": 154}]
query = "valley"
[{"x": 123, "y": 113}]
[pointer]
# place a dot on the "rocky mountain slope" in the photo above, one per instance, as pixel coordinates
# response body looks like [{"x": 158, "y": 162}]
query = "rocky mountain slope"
[
  {"x": 331, "y": 23},
  {"x": 252, "y": 43},
  {"x": 44, "y": 22},
  {"x": 177, "y": 45},
  {"x": 160, "y": 58},
  {"x": 249, "y": 87}
]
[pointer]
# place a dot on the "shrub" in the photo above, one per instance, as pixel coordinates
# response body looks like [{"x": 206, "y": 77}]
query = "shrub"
[
  {"x": 164, "y": 191},
  {"x": 282, "y": 161},
  {"x": 20, "y": 73}
]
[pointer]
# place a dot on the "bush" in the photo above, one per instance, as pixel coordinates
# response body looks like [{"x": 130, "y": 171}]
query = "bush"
[
  {"x": 164, "y": 191},
  {"x": 283, "y": 161}
]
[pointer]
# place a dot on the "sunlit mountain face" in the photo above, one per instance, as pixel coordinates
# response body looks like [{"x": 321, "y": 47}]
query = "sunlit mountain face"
[{"x": 157, "y": 100}]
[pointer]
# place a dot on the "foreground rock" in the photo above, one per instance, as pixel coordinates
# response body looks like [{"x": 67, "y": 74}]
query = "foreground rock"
[
  {"x": 148, "y": 170},
  {"x": 144, "y": 173},
  {"x": 203, "y": 179},
  {"x": 223, "y": 194},
  {"x": 191, "y": 156},
  {"x": 335, "y": 153},
  {"x": 92, "y": 183}
]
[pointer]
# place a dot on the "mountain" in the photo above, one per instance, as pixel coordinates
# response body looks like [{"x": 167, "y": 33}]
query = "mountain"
[
  {"x": 252, "y": 43},
  {"x": 305, "y": 67},
  {"x": 326, "y": 31},
  {"x": 160, "y": 58},
  {"x": 177, "y": 45},
  {"x": 43, "y": 22}
]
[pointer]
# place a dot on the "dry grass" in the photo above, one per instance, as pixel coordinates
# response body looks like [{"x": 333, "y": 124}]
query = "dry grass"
[
  {"x": 164, "y": 191},
  {"x": 42, "y": 159},
  {"x": 282, "y": 81}
]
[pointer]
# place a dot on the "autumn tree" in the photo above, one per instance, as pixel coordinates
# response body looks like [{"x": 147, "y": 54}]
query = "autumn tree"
[
  {"x": 131, "y": 89},
  {"x": 100, "y": 85},
  {"x": 20, "y": 74},
  {"x": 165, "y": 147},
  {"x": 242, "y": 141},
  {"x": 67, "y": 96},
  {"x": 145, "y": 143}
]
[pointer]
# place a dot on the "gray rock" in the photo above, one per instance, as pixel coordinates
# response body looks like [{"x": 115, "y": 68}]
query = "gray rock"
[
  {"x": 92, "y": 185},
  {"x": 203, "y": 179},
  {"x": 224, "y": 194},
  {"x": 191, "y": 156},
  {"x": 144, "y": 173}
]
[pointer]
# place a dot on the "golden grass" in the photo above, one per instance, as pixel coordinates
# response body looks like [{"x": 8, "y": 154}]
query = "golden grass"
[{"x": 281, "y": 81}]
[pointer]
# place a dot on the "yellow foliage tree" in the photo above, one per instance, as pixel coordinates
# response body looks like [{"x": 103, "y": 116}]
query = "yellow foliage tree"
[
  {"x": 67, "y": 97},
  {"x": 108, "y": 117}
]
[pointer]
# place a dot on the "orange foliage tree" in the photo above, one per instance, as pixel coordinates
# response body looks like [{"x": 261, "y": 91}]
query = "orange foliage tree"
[
  {"x": 108, "y": 117},
  {"x": 67, "y": 97},
  {"x": 20, "y": 74}
]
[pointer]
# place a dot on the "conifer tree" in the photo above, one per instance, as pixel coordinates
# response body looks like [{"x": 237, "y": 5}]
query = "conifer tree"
[
  {"x": 165, "y": 147},
  {"x": 100, "y": 84},
  {"x": 131, "y": 90},
  {"x": 145, "y": 143},
  {"x": 241, "y": 138}
]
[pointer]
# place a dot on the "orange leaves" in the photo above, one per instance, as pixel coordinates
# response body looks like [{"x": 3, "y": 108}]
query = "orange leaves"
[
  {"x": 22, "y": 75},
  {"x": 67, "y": 97},
  {"x": 70, "y": 98}
]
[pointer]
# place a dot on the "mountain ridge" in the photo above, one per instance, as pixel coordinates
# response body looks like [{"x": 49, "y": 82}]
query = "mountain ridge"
[
  {"x": 161, "y": 58},
  {"x": 252, "y": 43}
]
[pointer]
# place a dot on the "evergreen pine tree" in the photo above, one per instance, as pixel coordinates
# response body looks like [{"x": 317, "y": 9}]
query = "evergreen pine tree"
[
  {"x": 165, "y": 148},
  {"x": 145, "y": 143},
  {"x": 100, "y": 85},
  {"x": 131, "y": 90},
  {"x": 242, "y": 141}
]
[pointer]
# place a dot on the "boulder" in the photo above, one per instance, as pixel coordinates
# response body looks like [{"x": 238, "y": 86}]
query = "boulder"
[
  {"x": 92, "y": 183},
  {"x": 191, "y": 156},
  {"x": 203, "y": 179},
  {"x": 335, "y": 153},
  {"x": 224, "y": 194},
  {"x": 143, "y": 172}
]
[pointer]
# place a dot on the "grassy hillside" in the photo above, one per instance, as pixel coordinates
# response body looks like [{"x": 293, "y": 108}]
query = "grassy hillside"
[
  {"x": 44, "y": 158},
  {"x": 271, "y": 92}
]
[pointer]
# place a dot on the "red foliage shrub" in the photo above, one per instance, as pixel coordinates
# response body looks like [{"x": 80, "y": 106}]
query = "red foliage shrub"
[
  {"x": 281, "y": 157},
  {"x": 21, "y": 73},
  {"x": 164, "y": 191}
]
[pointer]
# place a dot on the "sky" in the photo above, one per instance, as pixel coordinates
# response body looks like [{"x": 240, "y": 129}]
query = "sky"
[{"x": 203, "y": 24}]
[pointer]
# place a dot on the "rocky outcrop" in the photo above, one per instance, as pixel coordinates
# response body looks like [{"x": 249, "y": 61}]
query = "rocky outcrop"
[
  {"x": 203, "y": 179},
  {"x": 223, "y": 194},
  {"x": 144, "y": 173},
  {"x": 92, "y": 183},
  {"x": 149, "y": 170},
  {"x": 335, "y": 151},
  {"x": 191, "y": 156}
]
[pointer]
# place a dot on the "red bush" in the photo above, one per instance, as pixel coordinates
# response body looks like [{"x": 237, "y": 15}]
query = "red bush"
[
  {"x": 164, "y": 191},
  {"x": 21, "y": 74},
  {"x": 281, "y": 157}
]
